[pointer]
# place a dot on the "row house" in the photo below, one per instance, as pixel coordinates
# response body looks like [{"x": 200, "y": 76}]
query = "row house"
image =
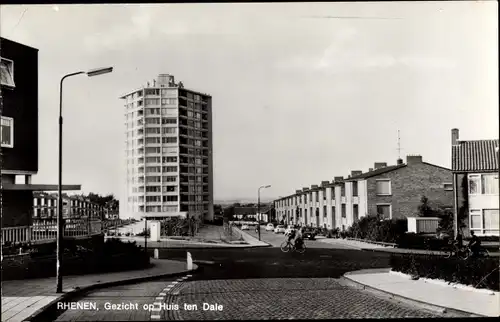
[
  {"x": 45, "y": 207},
  {"x": 390, "y": 191},
  {"x": 475, "y": 178}
]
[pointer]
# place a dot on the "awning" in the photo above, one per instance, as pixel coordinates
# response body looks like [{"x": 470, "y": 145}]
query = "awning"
[{"x": 40, "y": 187}]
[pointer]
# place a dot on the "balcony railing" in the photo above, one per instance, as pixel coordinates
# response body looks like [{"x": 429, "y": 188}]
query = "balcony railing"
[{"x": 46, "y": 231}]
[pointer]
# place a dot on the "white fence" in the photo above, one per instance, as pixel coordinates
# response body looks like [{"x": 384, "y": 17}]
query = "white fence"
[
  {"x": 45, "y": 231},
  {"x": 423, "y": 224}
]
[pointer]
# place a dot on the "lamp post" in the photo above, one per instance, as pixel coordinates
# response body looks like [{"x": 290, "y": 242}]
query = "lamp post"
[
  {"x": 258, "y": 205},
  {"x": 90, "y": 73}
]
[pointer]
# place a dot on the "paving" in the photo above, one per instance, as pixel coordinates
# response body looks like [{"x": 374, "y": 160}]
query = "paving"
[
  {"x": 447, "y": 296},
  {"x": 295, "y": 298},
  {"x": 22, "y": 298}
]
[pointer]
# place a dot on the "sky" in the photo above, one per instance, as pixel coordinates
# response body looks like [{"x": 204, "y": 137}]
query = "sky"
[{"x": 302, "y": 92}]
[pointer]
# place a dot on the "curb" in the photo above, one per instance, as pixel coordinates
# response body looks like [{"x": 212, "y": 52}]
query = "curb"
[
  {"x": 443, "y": 311},
  {"x": 40, "y": 314}
]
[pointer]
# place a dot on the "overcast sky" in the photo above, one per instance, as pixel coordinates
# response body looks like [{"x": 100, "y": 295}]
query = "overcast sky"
[{"x": 297, "y": 97}]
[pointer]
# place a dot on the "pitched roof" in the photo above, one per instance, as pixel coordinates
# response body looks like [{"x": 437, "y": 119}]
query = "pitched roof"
[
  {"x": 474, "y": 156},
  {"x": 375, "y": 172}
]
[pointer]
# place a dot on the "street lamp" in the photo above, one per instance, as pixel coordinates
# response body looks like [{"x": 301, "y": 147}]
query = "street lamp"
[
  {"x": 258, "y": 205},
  {"x": 90, "y": 73}
]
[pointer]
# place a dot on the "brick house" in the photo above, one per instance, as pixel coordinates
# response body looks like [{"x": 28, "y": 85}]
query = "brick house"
[
  {"x": 19, "y": 132},
  {"x": 391, "y": 191},
  {"x": 475, "y": 178}
]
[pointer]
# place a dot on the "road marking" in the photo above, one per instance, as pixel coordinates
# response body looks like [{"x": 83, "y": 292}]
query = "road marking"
[
  {"x": 159, "y": 298},
  {"x": 175, "y": 283},
  {"x": 189, "y": 275},
  {"x": 175, "y": 293},
  {"x": 155, "y": 317},
  {"x": 156, "y": 309},
  {"x": 163, "y": 294}
]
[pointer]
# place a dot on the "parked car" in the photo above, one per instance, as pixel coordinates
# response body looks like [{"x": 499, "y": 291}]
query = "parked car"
[
  {"x": 280, "y": 229},
  {"x": 245, "y": 227},
  {"x": 309, "y": 234},
  {"x": 269, "y": 227}
]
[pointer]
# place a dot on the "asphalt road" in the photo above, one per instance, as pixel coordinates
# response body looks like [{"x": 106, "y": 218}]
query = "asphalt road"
[{"x": 255, "y": 283}]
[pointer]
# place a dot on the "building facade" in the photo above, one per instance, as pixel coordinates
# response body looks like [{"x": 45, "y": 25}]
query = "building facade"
[
  {"x": 390, "y": 191},
  {"x": 475, "y": 178},
  {"x": 19, "y": 132},
  {"x": 45, "y": 207},
  {"x": 169, "y": 169}
]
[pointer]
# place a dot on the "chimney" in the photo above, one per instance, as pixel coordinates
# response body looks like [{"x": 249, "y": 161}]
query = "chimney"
[
  {"x": 305, "y": 189},
  {"x": 379, "y": 165},
  {"x": 399, "y": 161},
  {"x": 413, "y": 159},
  {"x": 298, "y": 191},
  {"x": 314, "y": 186},
  {"x": 356, "y": 172},
  {"x": 348, "y": 176},
  {"x": 454, "y": 137},
  {"x": 338, "y": 178},
  {"x": 324, "y": 183},
  {"x": 370, "y": 169}
]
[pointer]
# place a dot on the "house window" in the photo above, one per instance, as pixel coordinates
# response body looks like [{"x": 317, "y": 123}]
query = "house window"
[
  {"x": 317, "y": 196},
  {"x": 474, "y": 182},
  {"x": 355, "y": 189},
  {"x": 342, "y": 190},
  {"x": 383, "y": 187},
  {"x": 324, "y": 211},
  {"x": 448, "y": 186},
  {"x": 489, "y": 184},
  {"x": 490, "y": 220},
  {"x": 384, "y": 211},
  {"x": 355, "y": 212},
  {"x": 7, "y": 132},
  {"x": 7, "y": 72},
  {"x": 332, "y": 189},
  {"x": 344, "y": 215}
]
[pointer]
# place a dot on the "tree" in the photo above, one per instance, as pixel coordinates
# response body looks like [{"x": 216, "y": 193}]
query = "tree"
[{"x": 425, "y": 210}]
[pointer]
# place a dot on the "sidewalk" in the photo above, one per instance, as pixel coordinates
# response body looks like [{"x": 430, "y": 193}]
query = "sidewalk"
[
  {"x": 433, "y": 295},
  {"x": 379, "y": 248},
  {"x": 23, "y": 298}
]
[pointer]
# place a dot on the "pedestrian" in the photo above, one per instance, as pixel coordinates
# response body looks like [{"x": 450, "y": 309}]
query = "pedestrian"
[{"x": 474, "y": 244}]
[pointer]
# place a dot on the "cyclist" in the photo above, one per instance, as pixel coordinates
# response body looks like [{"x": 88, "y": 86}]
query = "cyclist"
[
  {"x": 474, "y": 244},
  {"x": 291, "y": 235},
  {"x": 298, "y": 238}
]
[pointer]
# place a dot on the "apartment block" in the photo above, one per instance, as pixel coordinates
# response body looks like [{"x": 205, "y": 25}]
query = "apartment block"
[
  {"x": 19, "y": 132},
  {"x": 168, "y": 151},
  {"x": 390, "y": 191}
]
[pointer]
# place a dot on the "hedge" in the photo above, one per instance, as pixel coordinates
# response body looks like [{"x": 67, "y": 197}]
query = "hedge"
[
  {"x": 113, "y": 255},
  {"x": 454, "y": 270},
  {"x": 374, "y": 229},
  {"x": 416, "y": 241}
]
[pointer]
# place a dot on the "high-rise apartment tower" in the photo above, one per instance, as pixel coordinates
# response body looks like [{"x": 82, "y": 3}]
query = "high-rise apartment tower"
[{"x": 168, "y": 153}]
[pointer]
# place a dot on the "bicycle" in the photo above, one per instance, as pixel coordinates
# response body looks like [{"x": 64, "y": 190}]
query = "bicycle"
[
  {"x": 455, "y": 250},
  {"x": 482, "y": 252},
  {"x": 288, "y": 246}
]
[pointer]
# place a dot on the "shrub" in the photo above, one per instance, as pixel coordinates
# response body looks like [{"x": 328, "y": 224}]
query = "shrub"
[
  {"x": 416, "y": 241},
  {"x": 374, "y": 229},
  {"x": 454, "y": 270}
]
